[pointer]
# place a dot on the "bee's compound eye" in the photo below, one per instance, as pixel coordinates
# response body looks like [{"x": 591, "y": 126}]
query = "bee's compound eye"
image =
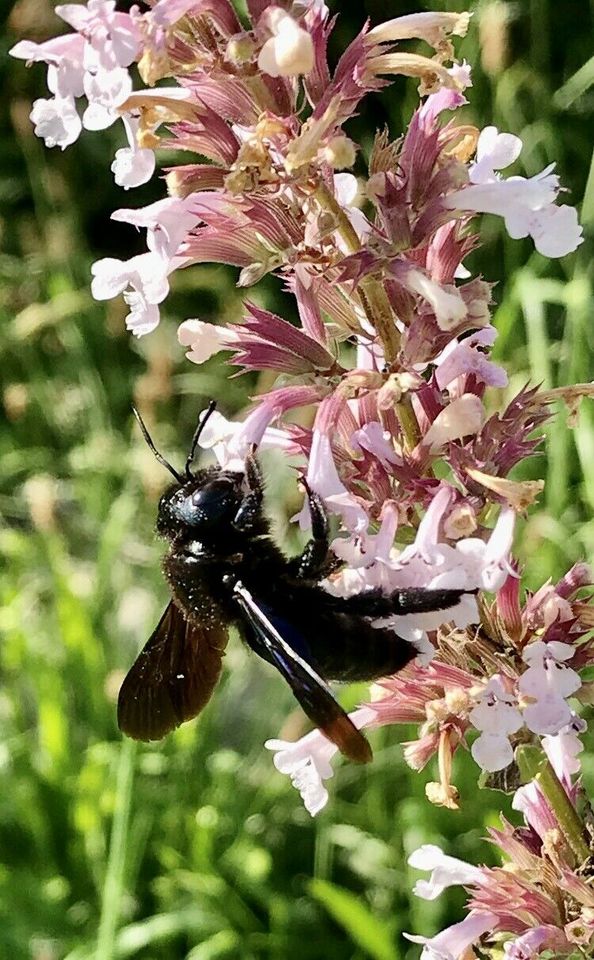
[
  {"x": 209, "y": 505},
  {"x": 215, "y": 492}
]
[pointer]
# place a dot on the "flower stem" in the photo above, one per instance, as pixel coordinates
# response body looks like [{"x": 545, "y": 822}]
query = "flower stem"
[
  {"x": 408, "y": 422},
  {"x": 564, "y": 810},
  {"x": 111, "y": 896},
  {"x": 534, "y": 765},
  {"x": 373, "y": 296}
]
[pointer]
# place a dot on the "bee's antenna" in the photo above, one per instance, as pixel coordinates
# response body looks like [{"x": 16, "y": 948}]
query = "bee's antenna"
[
  {"x": 152, "y": 446},
  {"x": 201, "y": 425}
]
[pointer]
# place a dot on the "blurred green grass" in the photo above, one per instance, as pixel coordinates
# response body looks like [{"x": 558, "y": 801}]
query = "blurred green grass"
[{"x": 195, "y": 848}]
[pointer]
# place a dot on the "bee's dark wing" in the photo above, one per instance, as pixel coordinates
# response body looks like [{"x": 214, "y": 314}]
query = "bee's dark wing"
[
  {"x": 172, "y": 678},
  {"x": 309, "y": 688}
]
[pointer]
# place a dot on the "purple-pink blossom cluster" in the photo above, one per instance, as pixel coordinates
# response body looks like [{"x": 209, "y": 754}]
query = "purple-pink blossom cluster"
[
  {"x": 391, "y": 362},
  {"x": 541, "y": 901}
]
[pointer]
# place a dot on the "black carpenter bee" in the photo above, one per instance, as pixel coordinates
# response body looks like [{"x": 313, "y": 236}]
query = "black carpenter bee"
[{"x": 224, "y": 569}]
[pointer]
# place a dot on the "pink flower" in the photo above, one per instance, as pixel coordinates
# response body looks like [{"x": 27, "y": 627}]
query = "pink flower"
[
  {"x": 462, "y": 358},
  {"x": 322, "y": 477},
  {"x": 563, "y": 749},
  {"x": 114, "y": 37},
  {"x": 535, "y": 941},
  {"x": 230, "y": 440},
  {"x": 454, "y": 941},
  {"x": 167, "y": 223},
  {"x": 530, "y": 801}
]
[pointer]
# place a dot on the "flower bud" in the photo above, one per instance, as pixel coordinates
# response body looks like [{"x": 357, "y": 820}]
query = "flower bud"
[
  {"x": 289, "y": 51},
  {"x": 442, "y": 795},
  {"x": 239, "y": 50},
  {"x": 339, "y": 152},
  {"x": 461, "y": 522}
]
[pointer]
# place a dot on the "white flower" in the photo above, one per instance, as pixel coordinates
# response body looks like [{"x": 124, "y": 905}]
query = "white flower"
[
  {"x": 496, "y": 710},
  {"x": 447, "y": 304},
  {"x": 445, "y": 871},
  {"x": 230, "y": 440},
  {"x": 555, "y": 230},
  {"x": 548, "y": 681},
  {"x": 64, "y": 56},
  {"x": 204, "y": 339},
  {"x": 56, "y": 121},
  {"x": 113, "y": 37},
  {"x": 144, "y": 279},
  {"x": 167, "y": 223},
  {"x": 526, "y": 204},
  {"x": 133, "y": 165},
  {"x": 492, "y": 752},
  {"x": 146, "y": 275},
  {"x": 322, "y": 477},
  {"x": 547, "y": 668},
  {"x": 307, "y": 761},
  {"x": 106, "y": 90},
  {"x": 490, "y": 560},
  {"x": 563, "y": 748},
  {"x": 496, "y": 715},
  {"x": 530, "y": 944},
  {"x": 494, "y": 151},
  {"x": 289, "y": 51},
  {"x": 462, "y": 417}
]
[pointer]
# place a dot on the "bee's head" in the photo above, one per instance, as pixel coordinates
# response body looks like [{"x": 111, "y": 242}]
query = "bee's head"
[
  {"x": 198, "y": 503},
  {"x": 202, "y": 506}
]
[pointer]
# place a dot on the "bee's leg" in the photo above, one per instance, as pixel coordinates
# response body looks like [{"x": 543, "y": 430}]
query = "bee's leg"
[
  {"x": 376, "y": 603},
  {"x": 314, "y": 559},
  {"x": 249, "y": 516}
]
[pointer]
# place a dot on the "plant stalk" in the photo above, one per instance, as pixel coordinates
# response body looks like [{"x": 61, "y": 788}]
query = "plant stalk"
[{"x": 113, "y": 886}]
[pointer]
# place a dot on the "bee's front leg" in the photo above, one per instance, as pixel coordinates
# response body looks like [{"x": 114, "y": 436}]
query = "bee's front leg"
[
  {"x": 249, "y": 516},
  {"x": 313, "y": 561}
]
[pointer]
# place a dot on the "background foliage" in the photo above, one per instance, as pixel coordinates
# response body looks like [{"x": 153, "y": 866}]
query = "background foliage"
[{"x": 195, "y": 848}]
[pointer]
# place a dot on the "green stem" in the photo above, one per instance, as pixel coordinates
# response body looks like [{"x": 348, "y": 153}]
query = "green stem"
[
  {"x": 373, "y": 296},
  {"x": 408, "y": 422},
  {"x": 113, "y": 886},
  {"x": 564, "y": 810},
  {"x": 534, "y": 765}
]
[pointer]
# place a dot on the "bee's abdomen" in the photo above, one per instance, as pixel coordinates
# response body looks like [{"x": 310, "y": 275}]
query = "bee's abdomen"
[{"x": 349, "y": 648}]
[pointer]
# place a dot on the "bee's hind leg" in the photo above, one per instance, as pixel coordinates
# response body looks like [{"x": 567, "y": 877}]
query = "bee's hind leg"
[
  {"x": 313, "y": 562},
  {"x": 249, "y": 516}
]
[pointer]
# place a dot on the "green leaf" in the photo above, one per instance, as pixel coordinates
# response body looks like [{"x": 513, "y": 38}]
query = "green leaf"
[{"x": 348, "y": 910}]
